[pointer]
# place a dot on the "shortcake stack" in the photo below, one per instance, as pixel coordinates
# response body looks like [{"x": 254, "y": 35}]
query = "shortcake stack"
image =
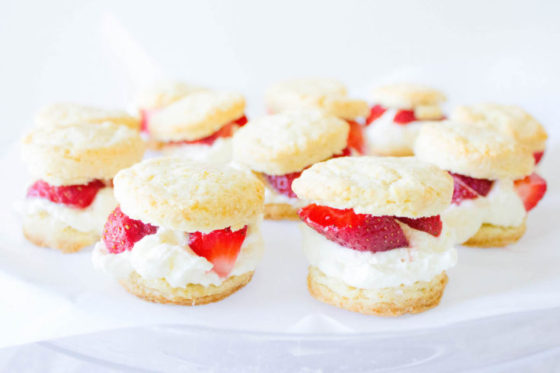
[
  {"x": 65, "y": 114},
  {"x": 279, "y": 147},
  {"x": 326, "y": 94},
  {"x": 397, "y": 115},
  {"x": 159, "y": 95},
  {"x": 509, "y": 120},
  {"x": 199, "y": 126},
  {"x": 73, "y": 167},
  {"x": 494, "y": 184},
  {"x": 185, "y": 232},
  {"x": 373, "y": 234}
]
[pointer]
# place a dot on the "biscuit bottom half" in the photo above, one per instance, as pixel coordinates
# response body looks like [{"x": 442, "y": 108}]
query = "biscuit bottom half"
[
  {"x": 159, "y": 291},
  {"x": 43, "y": 230},
  {"x": 390, "y": 301},
  {"x": 280, "y": 211},
  {"x": 496, "y": 236}
]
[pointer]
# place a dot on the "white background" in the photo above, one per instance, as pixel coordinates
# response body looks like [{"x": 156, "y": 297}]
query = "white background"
[{"x": 99, "y": 52}]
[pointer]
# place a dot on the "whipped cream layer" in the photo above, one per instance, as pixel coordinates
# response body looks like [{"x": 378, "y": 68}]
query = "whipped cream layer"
[
  {"x": 384, "y": 135},
  {"x": 271, "y": 196},
  {"x": 166, "y": 255},
  {"x": 88, "y": 220},
  {"x": 219, "y": 152},
  {"x": 427, "y": 257},
  {"x": 502, "y": 207}
]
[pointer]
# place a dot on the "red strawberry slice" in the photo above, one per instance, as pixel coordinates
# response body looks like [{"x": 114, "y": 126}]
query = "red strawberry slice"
[
  {"x": 431, "y": 224},
  {"x": 465, "y": 187},
  {"x": 226, "y": 131},
  {"x": 121, "y": 232},
  {"x": 77, "y": 196},
  {"x": 404, "y": 117},
  {"x": 531, "y": 190},
  {"x": 538, "y": 156},
  {"x": 356, "y": 231},
  {"x": 375, "y": 113},
  {"x": 283, "y": 183},
  {"x": 356, "y": 139},
  {"x": 220, "y": 247}
]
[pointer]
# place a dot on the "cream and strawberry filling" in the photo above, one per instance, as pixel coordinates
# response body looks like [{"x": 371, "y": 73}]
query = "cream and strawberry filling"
[
  {"x": 179, "y": 258},
  {"x": 82, "y": 207},
  {"x": 389, "y": 129},
  {"x": 374, "y": 252},
  {"x": 500, "y": 202}
]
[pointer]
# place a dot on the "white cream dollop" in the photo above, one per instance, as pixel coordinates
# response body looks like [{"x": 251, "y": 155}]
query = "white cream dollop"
[
  {"x": 89, "y": 219},
  {"x": 427, "y": 257},
  {"x": 502, "y": 207},
  {"x": 272, "y": 196},
  {"x": 219, "y": 152},
  {"x": 385, "y": 135},
  {"x": 166, "y": 255}
]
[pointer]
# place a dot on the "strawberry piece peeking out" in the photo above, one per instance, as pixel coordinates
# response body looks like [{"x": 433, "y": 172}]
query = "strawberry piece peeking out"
[
  {"x": 356, "y": 231},
  {"x": 531, "y": 190},
  {"x": 121, "y": 232},
  {"x": 465, "y": 187},
  {"x": 404, "y": 117},
  {"x": 77, "y": 196},
  {"x": 375, "y": 113},
  {"x": 283, "y": 183},
  {"x": 220, "y": 247},
  {"x": 431, "y": 224},
  {"x": 356, "y": 139},
  {"x": 538, "y": 156},
  {"x": 226, "y": 131}
]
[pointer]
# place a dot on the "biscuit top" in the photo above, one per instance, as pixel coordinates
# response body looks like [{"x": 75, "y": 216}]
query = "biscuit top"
[
  {"x": 189, "y": 196},
  {"x": 407, "y": 96},
  {"x": 65, "y": 114},
  {"x": 79, "y": 153},
  {"x": 510, "y": 120},
  {"x": 163, "y": 93},
  {"x": 327, "y": 94},
  {"x": 395, "y": 186},
  {"x": 196, "y": 116},
  {"x": 477, "y": 152},
  {"x": 288, "y": 142}
]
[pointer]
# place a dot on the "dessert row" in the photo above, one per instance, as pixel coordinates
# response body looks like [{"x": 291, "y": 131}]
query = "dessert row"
[{"x": 378, "y": 230}]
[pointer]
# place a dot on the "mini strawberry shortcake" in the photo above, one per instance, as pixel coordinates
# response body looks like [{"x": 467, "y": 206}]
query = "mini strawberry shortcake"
[
  {"x": 65, "y": 114},
  {"x": 199, "y": 126},
  {"x": 185, "y": 232},
  {"x": 373, "y": 234},
  {"x": 159, "y": 95},
  {"x": 510, "y": 120},
  {"x": 397, "y": 116},
  {"x": 72, "y": 195},
  {"x": 279, "y": 147},
  {"x": 327, "y": 94},
  {"x": 494, "y": 183}
]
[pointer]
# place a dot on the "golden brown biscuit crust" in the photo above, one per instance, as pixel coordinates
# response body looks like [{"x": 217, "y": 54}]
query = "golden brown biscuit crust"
[
  {"x": 191, "y": 295},
  {"x": 407, "y": 96},
  {"x": 44, "y": 231},
  {"x": 496, "y": 236},
  {"x": 280, "y": 211},
  {"x": 394, "y": 301}
]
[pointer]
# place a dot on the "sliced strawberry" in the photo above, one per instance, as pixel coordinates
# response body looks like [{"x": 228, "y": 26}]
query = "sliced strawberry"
[
  {"x": 356, "y": 139},
  {"x": 283, "y": 183},
  {"x": 226, "y": 131},
  {"x": 220, "y": 247},
  {"x": 431, "y": 224},
  {"x": 375, "y": 113},
  {"x": 145, "y": 117},
  {"x": 531, "y": 190},
  {"x": 538, "y": 156},
  {"x": 465, "y": 187},
  {"x": 356, "y": 231},
  {"x": 404, "y": 117},
  {"x": 121, "y": 232},
  {"x": 78, "y": 196},
  {"x": 344, "y": 153}
]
